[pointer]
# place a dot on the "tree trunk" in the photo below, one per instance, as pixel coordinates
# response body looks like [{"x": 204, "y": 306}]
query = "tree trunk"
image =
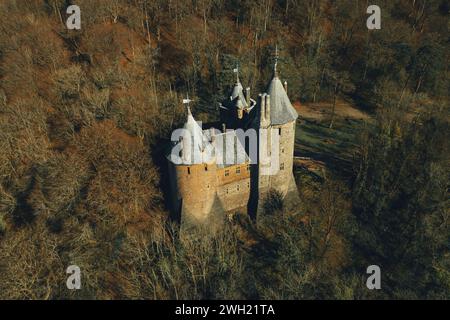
[
  {"x": 336, "y": 89},
  {"x": 319, "y": 85}
]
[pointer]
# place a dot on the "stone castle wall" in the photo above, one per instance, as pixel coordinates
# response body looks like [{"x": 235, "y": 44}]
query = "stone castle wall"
[
  {"x": 281, "y": 181},
  {"x": 205, "y": 193},
  {"x": 234, "y": 188},
  {"x": 195, "y": 187}
]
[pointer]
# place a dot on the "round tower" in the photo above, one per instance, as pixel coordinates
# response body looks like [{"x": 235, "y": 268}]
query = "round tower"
[
  {"x": 195, "y": 192},
  {"x": 193, "y": 182},
  {"x": 278, "y": 114}
]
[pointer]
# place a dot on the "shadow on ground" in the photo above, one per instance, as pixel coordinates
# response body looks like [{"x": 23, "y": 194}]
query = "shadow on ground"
[{"x": 336, "y": 147}]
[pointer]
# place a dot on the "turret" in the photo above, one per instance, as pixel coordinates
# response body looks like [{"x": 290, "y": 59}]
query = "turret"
[
  {"x": 282, "y": 117},
  {"x": 193, "y": 182},
  {"x": 278, "y": 115}
]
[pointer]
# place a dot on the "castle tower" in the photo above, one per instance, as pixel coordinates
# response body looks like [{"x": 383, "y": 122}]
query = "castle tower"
[
  {"x": 235, "y": 110},
  {"x": 193, "y": 182},
  {"x": 278, "y": 115},
  {"x": 283, "y": 120}
]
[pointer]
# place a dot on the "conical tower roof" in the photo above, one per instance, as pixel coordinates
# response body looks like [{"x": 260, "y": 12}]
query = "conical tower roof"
[
  {"x": 237, "y": 95},
  {"x": 194, "y": 128},
  {"x": 281, "y": 109}
]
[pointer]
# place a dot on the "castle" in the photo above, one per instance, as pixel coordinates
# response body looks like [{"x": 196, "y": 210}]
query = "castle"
[{"x": 204, "y": 192}]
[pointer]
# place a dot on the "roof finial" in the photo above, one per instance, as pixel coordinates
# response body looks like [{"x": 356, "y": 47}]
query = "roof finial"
[
  {"x": 275, "y": 72},
  {"x": 186, "y": 102},
  {"x": 236, "y": 70}
]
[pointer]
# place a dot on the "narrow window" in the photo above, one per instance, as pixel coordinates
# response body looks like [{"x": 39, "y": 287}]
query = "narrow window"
[
  {"x": 238, "y": 170},
  {"x": 237, "y": 187},
  {"x": 206, "y": 168},
  {"x": 227, "y": 173},
  {"x": 189, "y": 170},
  {"x": 279, "y": 131},
  {"x": 282, "y": 166}
]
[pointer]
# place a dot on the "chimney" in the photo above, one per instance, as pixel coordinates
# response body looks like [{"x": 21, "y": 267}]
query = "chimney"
[
  {"x": 268, "y": 108},
  {"x": 247, "y": 96},
  {"x": 285, "y": 86},
  {"x": 263, "y": 106},
  {"x": 240, "y": 113}
]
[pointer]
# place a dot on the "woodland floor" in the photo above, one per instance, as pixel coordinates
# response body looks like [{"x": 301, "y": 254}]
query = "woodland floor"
[{"x": 335, "y": 148}]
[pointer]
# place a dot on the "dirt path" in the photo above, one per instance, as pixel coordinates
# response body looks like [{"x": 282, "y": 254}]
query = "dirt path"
[{"x": 322, "y": 110}]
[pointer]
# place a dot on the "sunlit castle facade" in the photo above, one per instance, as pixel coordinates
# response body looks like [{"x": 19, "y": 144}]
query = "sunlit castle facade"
[{"x": 218, "y": 173}]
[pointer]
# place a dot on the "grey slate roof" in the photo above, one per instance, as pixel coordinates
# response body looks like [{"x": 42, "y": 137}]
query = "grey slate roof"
[
  {"x": 281, "y": 109},
  {"x": 236, "y": 99},
  {"x": 195, "y": 130},
  {"x": 239, "y": 155}
]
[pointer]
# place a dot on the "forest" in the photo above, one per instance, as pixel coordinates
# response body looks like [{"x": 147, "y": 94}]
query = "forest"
[{"x": 85, "y": 117}]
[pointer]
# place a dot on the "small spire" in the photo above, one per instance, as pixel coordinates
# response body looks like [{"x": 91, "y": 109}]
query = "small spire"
[
  {"x": 186, "y": 102},
  {"x": 275, "y": 72}
]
